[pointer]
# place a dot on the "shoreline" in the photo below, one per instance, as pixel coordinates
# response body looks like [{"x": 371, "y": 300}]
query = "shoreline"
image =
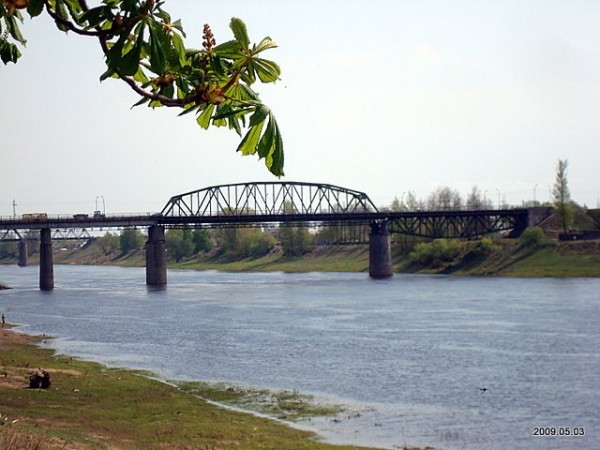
[{"x": 81, "y": 390}]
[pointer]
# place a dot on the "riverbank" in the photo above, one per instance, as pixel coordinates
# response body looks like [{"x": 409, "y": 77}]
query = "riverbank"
[
  {"x": 504, "y": 257},
  {"x": 89, "y": 406}
]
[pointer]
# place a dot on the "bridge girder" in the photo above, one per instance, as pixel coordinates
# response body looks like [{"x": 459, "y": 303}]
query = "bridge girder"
[
  {"x": 458, "y": 224},
  {"x": 72, "y": 234},
  {"x": 268, "y": 199}
]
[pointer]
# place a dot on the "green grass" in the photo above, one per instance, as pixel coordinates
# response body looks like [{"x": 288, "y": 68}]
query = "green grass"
[
  {"x": 322, "y": 259},
  {"x": 550, "y": 261},
  {"x": 286, "y": 405}
]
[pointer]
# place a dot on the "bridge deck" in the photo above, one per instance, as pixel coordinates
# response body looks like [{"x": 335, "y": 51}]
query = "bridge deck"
[{"x": 418, "y": 223}]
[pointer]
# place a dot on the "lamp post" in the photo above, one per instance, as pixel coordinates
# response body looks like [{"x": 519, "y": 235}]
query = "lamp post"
[{"x": 103, "y": 204}]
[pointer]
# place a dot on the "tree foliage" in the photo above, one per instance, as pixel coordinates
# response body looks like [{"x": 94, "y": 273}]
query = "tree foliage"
[
  {"x": 130, "y": 240},
  {"x": 562, "y": 196},
  {"x": 295, "y": 241},
  {"x": 144, "y": 47},
  {"x": 179, "y": 243},
  {"x": 244, "y": 242},
  {"x": 444, "y": 199},
  {"x": 202, "y": 240},
  {"x": 9, "y": 249},
  {"x": 108, "y": 243}
]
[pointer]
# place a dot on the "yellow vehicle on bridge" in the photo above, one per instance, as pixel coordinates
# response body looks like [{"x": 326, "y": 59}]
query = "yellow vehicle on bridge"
[{"x": 35, "y": 216}]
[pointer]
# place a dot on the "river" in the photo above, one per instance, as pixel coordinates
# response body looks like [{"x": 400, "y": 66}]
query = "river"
[{"x": 410, "y": 354}]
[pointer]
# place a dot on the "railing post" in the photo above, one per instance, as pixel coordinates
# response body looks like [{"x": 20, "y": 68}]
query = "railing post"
[
  {"x": 23, "y": 260},
  {"x": 380, "y": 251},
  {"x": 156, "y": 257},
  {"x": 46, "y": 263}
]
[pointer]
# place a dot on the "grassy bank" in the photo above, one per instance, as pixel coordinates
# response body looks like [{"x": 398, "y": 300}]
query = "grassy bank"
[
  {"x": 89, "y": 406},
  {"x": 506, "y": 257}
]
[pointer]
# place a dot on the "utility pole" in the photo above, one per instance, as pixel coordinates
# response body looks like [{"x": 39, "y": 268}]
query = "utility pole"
[{"x": 14, "y": 209}]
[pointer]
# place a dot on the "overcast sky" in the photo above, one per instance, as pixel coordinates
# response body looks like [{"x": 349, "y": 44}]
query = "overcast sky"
[{"x": 380, "y": 96}]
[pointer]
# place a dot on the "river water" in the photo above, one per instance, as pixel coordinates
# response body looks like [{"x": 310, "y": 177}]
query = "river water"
[{"x": 407, "y": 356}]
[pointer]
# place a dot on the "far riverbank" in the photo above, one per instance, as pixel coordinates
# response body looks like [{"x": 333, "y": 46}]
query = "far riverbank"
[{"x": 503, "y": 258}]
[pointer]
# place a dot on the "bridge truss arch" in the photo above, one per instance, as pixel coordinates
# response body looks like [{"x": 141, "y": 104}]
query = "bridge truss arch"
[{"x": 268, "y": 199}]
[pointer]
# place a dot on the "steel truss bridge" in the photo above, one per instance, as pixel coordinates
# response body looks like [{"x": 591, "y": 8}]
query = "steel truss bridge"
[
  {"x": 267, "y": 204},
  {"x": 308, "y": 204},
  {"x": 74, "y": 234},
  {"x": 284, "y": 204}
]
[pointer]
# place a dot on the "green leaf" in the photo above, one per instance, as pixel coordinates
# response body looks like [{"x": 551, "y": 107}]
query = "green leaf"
[
  {"x": 140, "y": 102},
  {"x": 260, "y": 114},
  {"x": 130, "y": 62},
  {"x": 95, "y": 16},
  {"x": 234, "y": 124},
  {"x": 74, "y": 10},
  {"x": 266, "y": 144},
  {"x": 243, "y": 93},
  {"x": 9, "y": 52},
  {"x": 108, "y": 74},
  {"x": 141, "y": 77},
  {"x": 277, "y": 155},
  {"x": 204, "y": 118},
  {"x": 177, "y": 25},
  {"x": 239, "y": 32},
  {"x": 188, "y": 110},
  {"x": 229, "y": 49},
  {"x": 35, "y": 7},
  {"x": 226, "y": 111},
  {"x": 265, "y": 44},
  {"x": 116, "y": 51},
  {"x": 158, "y": 59},
  {"x": 267, "y": 71},
  {"x": 61, "y": 11},
  {"x": 250, "y": 141},
  {"x": 14, "y": 30},
  {"x": 179, "y": 47}
]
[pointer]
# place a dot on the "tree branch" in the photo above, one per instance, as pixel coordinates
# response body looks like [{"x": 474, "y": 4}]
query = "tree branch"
[{"x": 71, "y": 26}]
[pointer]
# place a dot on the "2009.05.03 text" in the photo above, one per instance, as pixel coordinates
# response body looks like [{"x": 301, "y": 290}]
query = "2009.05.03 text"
[{"x": 558, "y": 431}]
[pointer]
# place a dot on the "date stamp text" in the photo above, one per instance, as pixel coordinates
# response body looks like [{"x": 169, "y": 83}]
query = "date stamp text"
[{"x": 558, "y": 431}]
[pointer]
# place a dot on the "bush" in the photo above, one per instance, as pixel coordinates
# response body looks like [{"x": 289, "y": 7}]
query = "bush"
[
  {"x": 533, "y": 237},
  {"x": 486, "y": 246},
  {"x": 435, "y": 253}
]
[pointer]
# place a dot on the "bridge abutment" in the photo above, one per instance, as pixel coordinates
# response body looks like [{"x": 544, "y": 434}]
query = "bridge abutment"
[
  {"x": 46, "y": 262},
  {"x": 156, "y": 257},
  {"x": 380, "y": 251},
  {"x": 23, "y": 258}
]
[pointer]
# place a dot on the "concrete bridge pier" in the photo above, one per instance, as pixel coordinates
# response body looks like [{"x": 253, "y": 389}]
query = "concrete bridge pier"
[
  {"x": 46, "y": 263},
  {"x": 380, "y": 251},
  {"x": 23, "y": 259},
  {"x": 156, "y": 256}
]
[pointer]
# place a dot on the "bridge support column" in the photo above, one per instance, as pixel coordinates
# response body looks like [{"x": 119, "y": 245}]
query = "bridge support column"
[
  {"x": 46, "y": 263},
  {"x": 156, "y": 257},
  {"x": 23, "y": 260},
  {"x": 380, "y": 251}
]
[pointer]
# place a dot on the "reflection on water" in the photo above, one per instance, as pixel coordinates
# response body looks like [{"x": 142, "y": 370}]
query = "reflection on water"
[{"x": 407, "y": 355}]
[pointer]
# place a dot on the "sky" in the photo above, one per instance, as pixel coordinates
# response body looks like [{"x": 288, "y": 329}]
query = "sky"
[{"x": 380, "y": 96}]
